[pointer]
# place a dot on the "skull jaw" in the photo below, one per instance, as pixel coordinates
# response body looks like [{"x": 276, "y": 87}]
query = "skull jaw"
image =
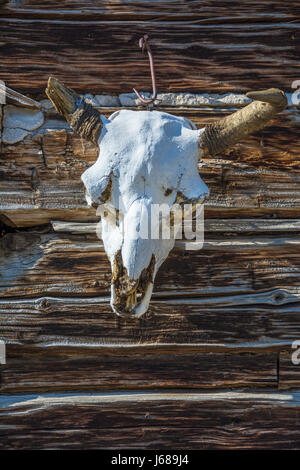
[
  {"x": 131, "y": 297},
  {"x": 138, "y": 310}
]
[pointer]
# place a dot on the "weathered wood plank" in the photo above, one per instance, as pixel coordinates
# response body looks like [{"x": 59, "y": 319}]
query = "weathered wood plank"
[
  {"x": 206, "y": 11},
  {"x": 238, "y": 320},
  {"x": 104, "y": 55},
  {"x": 51, "y": 370},
  {"x": 225, "y": 226},
  {"x": 254, "y": 282},
  {"x": 34, "y": 263},
  {"x": 41, "y": 174},
  {"x": 289, "y": 369},
  {"x": 223, "y": 420},
  {"x": 217, "y": 299}
]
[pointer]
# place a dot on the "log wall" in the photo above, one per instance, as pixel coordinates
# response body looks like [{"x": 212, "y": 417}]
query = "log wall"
[{"x": 209, "y": 366}]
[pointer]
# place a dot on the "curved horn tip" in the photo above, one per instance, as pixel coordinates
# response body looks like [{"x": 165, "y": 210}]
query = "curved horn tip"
[
  {"x": 52, "y": 82},
  {"x": 81, "y": 116},
  {"x": 274, "y": 96}
]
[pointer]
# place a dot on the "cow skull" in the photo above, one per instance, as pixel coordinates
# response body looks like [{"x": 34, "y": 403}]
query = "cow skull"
[{"x": 147, "y": 158}]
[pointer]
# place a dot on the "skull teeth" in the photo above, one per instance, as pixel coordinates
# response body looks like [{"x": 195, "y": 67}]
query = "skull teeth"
[{"x": 131, "y": 301}]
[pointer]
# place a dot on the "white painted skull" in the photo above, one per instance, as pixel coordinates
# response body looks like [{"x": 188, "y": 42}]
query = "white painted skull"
[
  {"x": 145, "y": 158},
  {"x": 148, "y": 158}
]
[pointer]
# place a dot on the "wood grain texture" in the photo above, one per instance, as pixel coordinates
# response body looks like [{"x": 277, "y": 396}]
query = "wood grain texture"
[
  {"x": 234, "y": 294},
  {"x": 31, "y": 370},
  {"x": 222, "y": 317},
  {"x": 41, "y": 174},
  {"x": 61, "y": 321},
  {"x": 207, "y": 11},
  {"x": 259, "y": 226},
  {"x": 173, "y": 420},
  {"x": 103, "y": 56},
  {"x": 289, "y": 370},
  {"x": 62, "y": 264}
]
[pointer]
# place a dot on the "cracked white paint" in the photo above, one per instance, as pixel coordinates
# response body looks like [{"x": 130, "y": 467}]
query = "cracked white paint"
[
  {"x": 150, "y": 157},
  {"x": 19, "y": 122}
]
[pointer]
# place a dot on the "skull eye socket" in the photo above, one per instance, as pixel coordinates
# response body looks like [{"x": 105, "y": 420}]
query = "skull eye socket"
[
  {"x": 98, "y": 190},
  {"x": 168, "y": 191}
]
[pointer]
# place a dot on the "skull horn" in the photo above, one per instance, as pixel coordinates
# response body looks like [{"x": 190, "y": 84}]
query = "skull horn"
[
  {"x": 226, "y": 132},
  {"x": 81, "y": 116}
]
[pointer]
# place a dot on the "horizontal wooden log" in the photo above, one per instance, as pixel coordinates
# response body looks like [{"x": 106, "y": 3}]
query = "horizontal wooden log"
[
  {"x": 234, "y": 295},
  {"x": 206, "y": 11},
  {"x": 103, "y": 56},
  {"x": 239, "y": 294},
  {"x": 35, "y": 264},
  {"x": 175, "y": 420},
  {"x": 225, "y": 226},
  {"x": 41, "y": 173},
  {"x": 51, "y": 370},
  {"x": 235, "y": 320},
  {"x": 289, "y": 368}
]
